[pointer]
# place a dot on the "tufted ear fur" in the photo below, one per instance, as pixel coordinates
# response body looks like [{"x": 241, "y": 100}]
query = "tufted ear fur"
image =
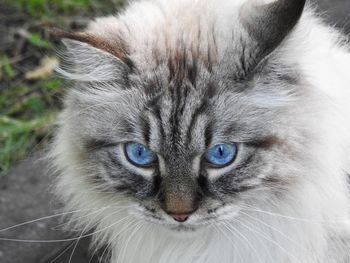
[
  {"x": 92, "y": 58},
  {"x": 268, "y": 25}
]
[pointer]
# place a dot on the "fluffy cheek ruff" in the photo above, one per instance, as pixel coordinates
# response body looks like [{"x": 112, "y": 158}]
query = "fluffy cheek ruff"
[
  {"x": 107, "y": 215},
  {"x": 272, "y": 172},
  {"x": 289, "y": 178}
]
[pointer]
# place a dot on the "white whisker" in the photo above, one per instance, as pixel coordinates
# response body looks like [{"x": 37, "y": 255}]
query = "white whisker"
[
  {"x": 232, "y": 228},
  {"x": 268, "y": 239}
]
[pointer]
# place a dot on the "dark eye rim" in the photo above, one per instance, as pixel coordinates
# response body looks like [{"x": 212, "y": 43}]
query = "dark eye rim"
[
  {"x": 150, "y": 165},
  {"x": 215, "y": 166}
]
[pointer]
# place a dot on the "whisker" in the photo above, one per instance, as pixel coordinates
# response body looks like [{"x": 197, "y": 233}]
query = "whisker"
[
  {"x": 63, "y": 226},
  {"x": 137, "y": 227},
  {"x": 62, "y": 253},
  {"x": 115, "y": 237},
  {"x": 300, "y": 219},
  {"x": 231, "y": 241},
  {"x": 268, "y": 239},
  {"x": 73, "y": 219},
  {"x": 272, "y": 228},
  {"x": 42, "y": 218},
  {"x": 58, "y": 240},
  {"x": 82, "y": 232},
  {"x": 228, "y": 227}
]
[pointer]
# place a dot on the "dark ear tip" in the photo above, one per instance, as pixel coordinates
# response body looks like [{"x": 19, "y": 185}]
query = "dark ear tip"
[
  {"x": 269, "y": 24},
  {"x": 293, "y": 6},
  {"x": 302, "y": 2},
  {"x": 56, "y": 32},
  {"x": 64, "y": 35},
  {"x": 59, "y": 33},
  {"x": 298, "y": 4}
]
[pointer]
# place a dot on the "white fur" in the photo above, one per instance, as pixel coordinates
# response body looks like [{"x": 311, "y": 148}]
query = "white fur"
[{"x": 309, "y": 225}]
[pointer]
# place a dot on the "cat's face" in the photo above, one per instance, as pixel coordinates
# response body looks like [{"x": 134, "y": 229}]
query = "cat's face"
[
  {"x": 186, "y": 153},
  {"x": 189, "y": 142}
]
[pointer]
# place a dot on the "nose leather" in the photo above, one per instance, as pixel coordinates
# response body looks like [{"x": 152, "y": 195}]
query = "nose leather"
[
  {"x": 179, "y": 194},
  {"x": 180, "y": 217}
]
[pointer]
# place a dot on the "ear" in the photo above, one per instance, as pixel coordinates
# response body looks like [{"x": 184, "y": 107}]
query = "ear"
[
  {"x": 269, "y": 24},
  {"x": 90, "y": 57}
]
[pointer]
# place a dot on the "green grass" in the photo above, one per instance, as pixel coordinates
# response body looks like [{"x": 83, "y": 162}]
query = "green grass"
[
  {"x": 26, "y": 117},
  {"x": 52, "y": 8},
  {"x": 28, "y": 107},
  {"x": 37, "y": 40},
  {"x": 6, "y": 67},
  {"x": 18, "y": 137}
]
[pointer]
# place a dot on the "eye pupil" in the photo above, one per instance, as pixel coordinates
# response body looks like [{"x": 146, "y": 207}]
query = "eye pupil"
[
  {"x": 140, "y": 150},
  {"x": 221, "y": 151}
]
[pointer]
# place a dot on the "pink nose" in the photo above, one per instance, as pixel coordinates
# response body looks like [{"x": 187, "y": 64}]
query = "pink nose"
[{"x": 180, "y": 217}]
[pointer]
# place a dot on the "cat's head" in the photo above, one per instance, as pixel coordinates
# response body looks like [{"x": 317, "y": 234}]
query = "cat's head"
[{"x": 185, "y": 121}]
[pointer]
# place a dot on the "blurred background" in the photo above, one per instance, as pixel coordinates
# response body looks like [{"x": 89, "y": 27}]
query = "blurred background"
[
  {"x": 30, "y": 98},
  {"x": 30, "y": 93}
]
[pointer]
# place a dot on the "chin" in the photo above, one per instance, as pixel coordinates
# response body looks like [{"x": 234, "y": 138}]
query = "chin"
[{"x": 185, "y": 228}]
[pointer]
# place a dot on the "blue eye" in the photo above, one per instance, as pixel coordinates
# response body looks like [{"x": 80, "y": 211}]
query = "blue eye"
[
  {"x": 139, "y": 155},
  {"x": 221, "y": 154}
]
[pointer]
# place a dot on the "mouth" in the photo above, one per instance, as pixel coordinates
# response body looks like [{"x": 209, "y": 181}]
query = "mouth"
[
  {"x": 191, "y": 224},
  {"x": 173, "y": 225},
  {"x": 183, "y": 228}
]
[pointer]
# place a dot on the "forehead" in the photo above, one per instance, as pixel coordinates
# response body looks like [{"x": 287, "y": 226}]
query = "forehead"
[
  {"x": 183, "y": 111},
  {"x": 189, "y": 116},
  {"x": 177, "y": 106}
]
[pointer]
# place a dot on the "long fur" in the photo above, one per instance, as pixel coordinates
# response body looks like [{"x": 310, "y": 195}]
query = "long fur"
[{"x": 303, "y": 218}]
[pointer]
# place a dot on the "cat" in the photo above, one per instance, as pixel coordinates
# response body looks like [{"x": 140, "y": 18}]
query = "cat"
[{"x": 205, "y": 131}]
